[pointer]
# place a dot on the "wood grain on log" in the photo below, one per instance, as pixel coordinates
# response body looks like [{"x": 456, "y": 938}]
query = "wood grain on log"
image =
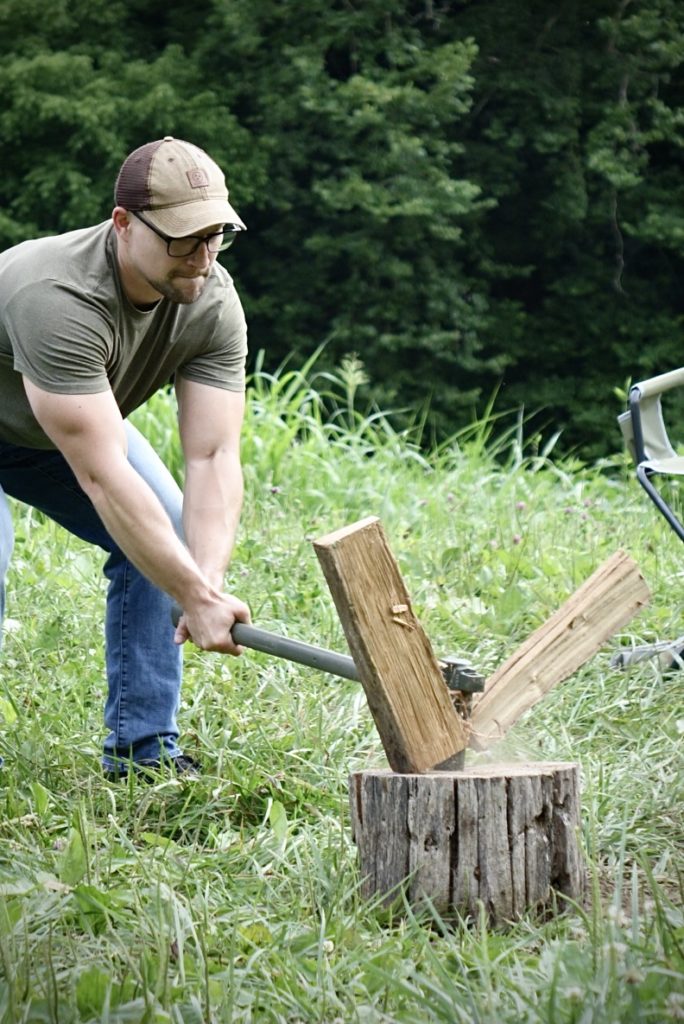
[
  {"x": 601, "y": 606},
  {"x": 408, "y": 698}
]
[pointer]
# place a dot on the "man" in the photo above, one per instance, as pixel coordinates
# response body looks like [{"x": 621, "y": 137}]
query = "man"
[{"x": 92, "y": 323}]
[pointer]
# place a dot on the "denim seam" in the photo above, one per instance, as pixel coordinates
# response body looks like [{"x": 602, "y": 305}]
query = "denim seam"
[{"x": 121, "y": 718}]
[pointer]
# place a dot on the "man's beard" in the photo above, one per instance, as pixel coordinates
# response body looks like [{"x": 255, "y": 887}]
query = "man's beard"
[{"x": 173, "y": 293}]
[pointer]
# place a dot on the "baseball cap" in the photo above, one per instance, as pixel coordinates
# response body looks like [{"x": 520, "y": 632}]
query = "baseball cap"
[{"x": 178, "y": 185}]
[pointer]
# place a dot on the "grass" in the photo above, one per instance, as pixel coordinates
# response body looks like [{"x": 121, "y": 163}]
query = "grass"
[{"x": 234, "y": 898}]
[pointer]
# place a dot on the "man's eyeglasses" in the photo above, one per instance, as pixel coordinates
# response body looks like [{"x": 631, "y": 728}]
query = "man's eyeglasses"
[{"x": 179, "y": 247}]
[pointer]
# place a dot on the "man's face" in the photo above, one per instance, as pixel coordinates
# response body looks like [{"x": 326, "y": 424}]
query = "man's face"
[{"x": 179, "y": 279}]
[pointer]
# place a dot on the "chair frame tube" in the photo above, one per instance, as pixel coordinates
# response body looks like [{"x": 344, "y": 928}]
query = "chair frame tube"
[{"x": 656, "y": 386}]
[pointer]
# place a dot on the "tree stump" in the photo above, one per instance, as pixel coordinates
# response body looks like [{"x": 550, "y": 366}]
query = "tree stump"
[{"x": 504, "y": 836}]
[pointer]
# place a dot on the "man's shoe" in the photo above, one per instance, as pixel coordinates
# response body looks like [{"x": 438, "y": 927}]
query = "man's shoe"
[{"x": 150, "y": 769}]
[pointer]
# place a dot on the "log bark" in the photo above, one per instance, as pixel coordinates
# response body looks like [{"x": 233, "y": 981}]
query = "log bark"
[
  {"x": 601, "y": 606},
  {"x": 407, "y": 695},
  {"x": 504, "y": 837}
]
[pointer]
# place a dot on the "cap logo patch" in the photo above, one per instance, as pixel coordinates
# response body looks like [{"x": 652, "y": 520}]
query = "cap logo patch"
[{"x": 198, "y": 177}]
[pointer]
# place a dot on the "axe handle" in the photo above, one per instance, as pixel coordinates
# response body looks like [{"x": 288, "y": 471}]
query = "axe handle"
[{"x": 292, "y": 650}]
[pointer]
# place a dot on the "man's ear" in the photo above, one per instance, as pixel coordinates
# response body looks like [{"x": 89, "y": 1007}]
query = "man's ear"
[{"x": 121, "y": 219}]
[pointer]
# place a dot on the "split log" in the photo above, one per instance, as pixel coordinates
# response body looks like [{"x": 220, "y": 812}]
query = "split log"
[
  {"x": 504, "y": 837},
  {"x": 601, "y": 606},
  {"x": 408, "y": 698}
]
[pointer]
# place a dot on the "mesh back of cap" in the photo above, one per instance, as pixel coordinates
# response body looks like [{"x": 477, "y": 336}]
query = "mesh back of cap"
[{"x": 132, "y": 189}]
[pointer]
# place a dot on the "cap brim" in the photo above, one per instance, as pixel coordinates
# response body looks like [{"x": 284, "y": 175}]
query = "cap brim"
[{"x": 194, "y": 218}]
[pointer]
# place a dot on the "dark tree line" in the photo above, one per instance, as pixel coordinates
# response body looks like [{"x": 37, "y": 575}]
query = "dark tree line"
[{"x": 470, "y": 196}]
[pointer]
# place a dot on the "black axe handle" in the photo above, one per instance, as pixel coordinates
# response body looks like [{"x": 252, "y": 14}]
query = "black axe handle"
[
  {"x": 292, "y": 650},
  {"x": 458, "y": 674}
]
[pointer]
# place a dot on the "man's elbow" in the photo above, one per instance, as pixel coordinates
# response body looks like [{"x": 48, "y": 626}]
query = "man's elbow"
[{"x": 97, "y": 472}]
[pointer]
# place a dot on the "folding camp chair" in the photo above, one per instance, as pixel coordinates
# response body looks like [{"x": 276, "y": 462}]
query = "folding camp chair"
[
  {"x": 644, "y": 430},
  {"x": 645, "y": 433}
]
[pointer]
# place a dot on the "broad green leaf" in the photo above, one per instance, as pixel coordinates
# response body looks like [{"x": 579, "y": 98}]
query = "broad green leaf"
[
  {"x": 73, "y": 862},
  {"x": 41, "y": 797},
  {"x": 7, "y": 712},
  {"x": 277, "y": 818}
]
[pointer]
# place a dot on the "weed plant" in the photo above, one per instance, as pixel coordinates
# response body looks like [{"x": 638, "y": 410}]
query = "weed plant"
[{"x": 235, "y": 897}]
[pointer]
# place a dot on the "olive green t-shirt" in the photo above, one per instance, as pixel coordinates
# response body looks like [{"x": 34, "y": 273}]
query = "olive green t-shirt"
[{"x": 66, "y": 324}]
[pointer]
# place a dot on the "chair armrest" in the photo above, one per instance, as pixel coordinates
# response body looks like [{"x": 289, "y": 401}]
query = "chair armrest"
[
  {"x": 649, "y": 437},
  {"x": 659, "y": 385}
]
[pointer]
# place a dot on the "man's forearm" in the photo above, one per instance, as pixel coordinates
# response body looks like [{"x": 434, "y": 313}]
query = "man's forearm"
[
  {"x": 212, "y": 502},
  {"x": 137, "y": 522},
  {"x": 88, "y": 430}
]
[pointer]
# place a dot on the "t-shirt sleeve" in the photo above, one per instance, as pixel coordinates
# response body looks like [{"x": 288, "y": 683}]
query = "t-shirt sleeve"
[
  {"x": 59, "y": 340},
  {"x": 220, "y": 360}
]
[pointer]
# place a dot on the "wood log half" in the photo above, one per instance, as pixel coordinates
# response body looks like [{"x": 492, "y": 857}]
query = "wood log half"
[
  {"x": 594, "y": 613},
  {"x": 406, "y": 692}
]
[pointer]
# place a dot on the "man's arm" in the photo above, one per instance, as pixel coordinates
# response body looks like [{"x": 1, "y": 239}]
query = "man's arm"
[
  {"x": 89, "y": 432},
  {"x": 210, "y": 421}
]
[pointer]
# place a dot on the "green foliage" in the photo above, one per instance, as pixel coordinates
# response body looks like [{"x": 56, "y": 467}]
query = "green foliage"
[
  {"x": 76, "y": 104},
  {"x": 589, "y": 132},
  {"x": 366, "y": 203},
  {"x": 467, "y": 197}
]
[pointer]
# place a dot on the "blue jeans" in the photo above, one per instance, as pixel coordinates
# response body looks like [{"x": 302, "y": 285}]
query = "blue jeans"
[{"x": 144, "y": 665}]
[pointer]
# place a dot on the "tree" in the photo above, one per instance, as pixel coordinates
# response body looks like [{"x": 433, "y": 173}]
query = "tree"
[
  {"x": 584, "y": 106},
  {"x": 361, "y": 234}
]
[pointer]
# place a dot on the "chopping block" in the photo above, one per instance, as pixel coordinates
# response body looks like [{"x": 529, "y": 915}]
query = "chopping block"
[{"x": 505, "y": 837}]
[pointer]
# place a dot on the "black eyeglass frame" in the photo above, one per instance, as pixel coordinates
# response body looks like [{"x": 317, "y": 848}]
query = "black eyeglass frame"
[{"x": 231, "y": 232}]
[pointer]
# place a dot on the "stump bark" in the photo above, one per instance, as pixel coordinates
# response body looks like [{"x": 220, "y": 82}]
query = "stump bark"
[{"x": 504, "y": 836}]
